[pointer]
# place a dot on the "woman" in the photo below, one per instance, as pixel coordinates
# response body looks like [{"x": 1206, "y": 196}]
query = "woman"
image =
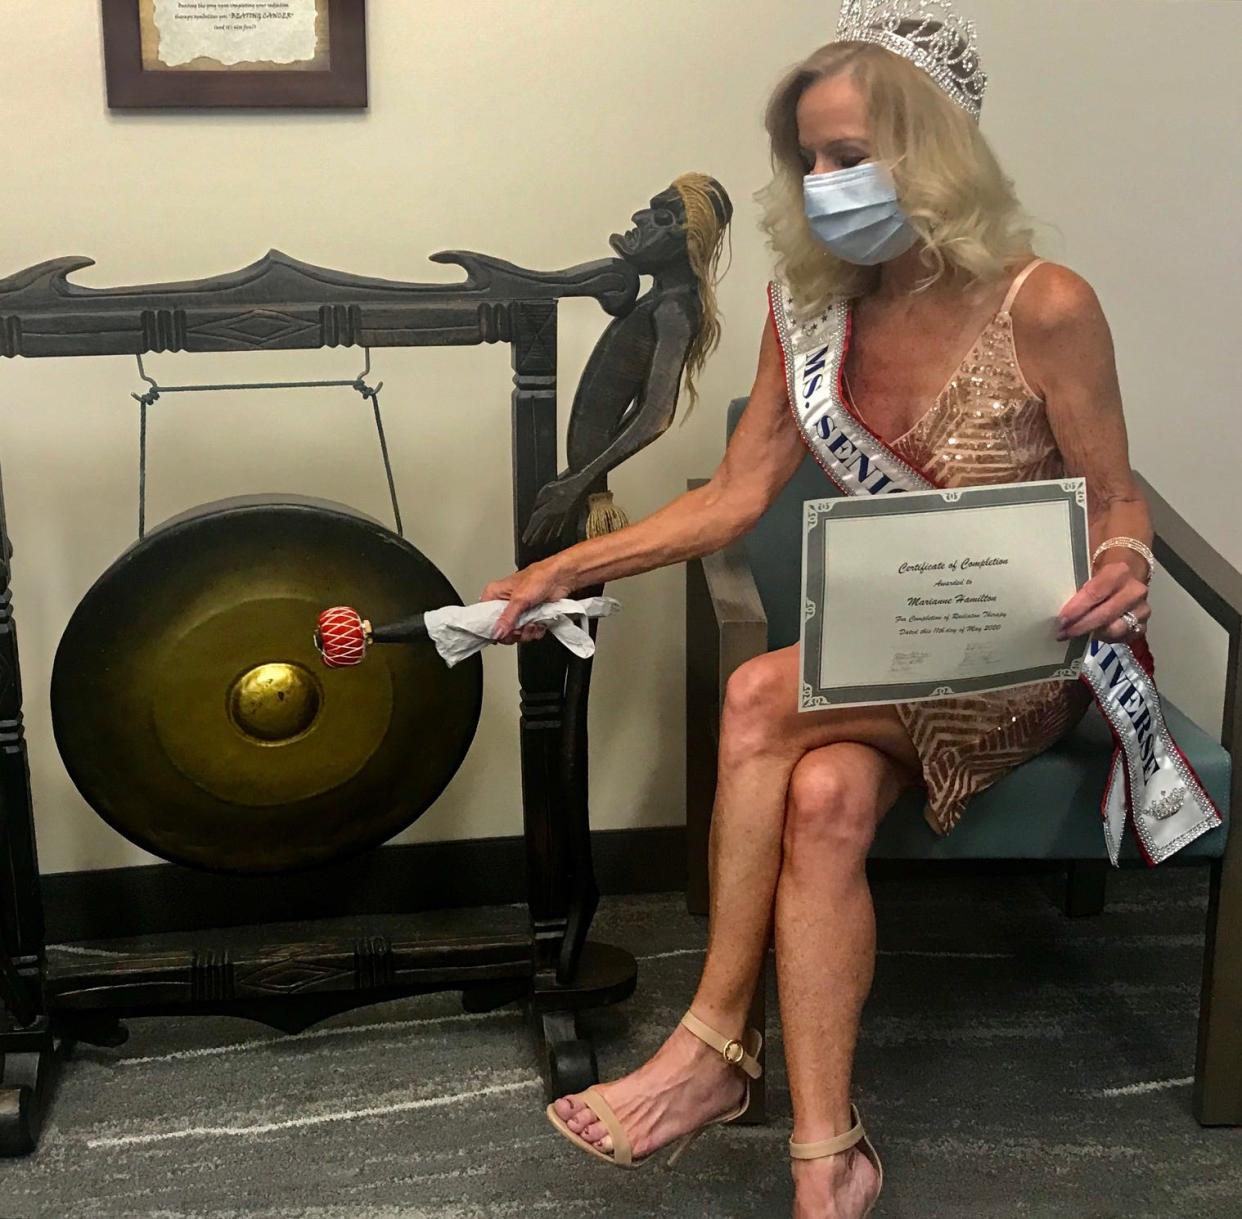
[{"x": 974, "y": 362}]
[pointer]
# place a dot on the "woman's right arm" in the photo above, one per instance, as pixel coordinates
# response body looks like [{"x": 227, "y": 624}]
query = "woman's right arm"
[{"x": 763, "y": 453}]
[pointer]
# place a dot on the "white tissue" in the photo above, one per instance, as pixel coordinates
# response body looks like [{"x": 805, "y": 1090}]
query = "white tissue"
[{"x": 459, "y": 631}]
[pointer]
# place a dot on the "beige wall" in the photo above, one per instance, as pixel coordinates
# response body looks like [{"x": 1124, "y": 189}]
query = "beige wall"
[{"x": 531, "y": 130}]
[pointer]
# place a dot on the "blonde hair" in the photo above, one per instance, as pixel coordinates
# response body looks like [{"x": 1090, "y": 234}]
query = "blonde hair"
[
  {"x": 707, "y": 220},
  {"x": 949, "y": 182}
]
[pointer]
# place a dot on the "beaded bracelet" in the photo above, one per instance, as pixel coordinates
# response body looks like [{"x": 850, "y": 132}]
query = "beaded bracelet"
[{"x": 1128, "y": 544}]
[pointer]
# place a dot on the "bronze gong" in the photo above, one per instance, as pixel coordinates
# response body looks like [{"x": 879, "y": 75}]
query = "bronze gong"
[{"x": 196, "y": 717}]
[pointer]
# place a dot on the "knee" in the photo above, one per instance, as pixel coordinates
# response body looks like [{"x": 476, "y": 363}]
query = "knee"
[
  {"x": 755, "y": 695},
  {"x": 830, "y": 815}
]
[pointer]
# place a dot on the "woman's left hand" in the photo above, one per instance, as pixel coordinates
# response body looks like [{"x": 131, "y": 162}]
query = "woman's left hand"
[{"x": 1097, "y": 607}]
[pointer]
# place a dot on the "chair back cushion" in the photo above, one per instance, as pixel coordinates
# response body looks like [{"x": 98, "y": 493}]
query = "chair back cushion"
[{"x": 774, "y": 546}]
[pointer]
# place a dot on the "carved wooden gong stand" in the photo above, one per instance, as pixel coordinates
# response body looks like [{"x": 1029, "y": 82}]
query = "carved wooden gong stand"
[{"x": 280, "y": 303}]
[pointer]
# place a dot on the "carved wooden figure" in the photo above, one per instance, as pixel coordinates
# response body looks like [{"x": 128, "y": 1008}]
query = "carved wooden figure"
[{"x": 628, "y": 393}]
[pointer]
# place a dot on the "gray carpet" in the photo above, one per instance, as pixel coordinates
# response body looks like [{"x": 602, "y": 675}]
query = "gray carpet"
[{"x": 1013, "y": 1063}]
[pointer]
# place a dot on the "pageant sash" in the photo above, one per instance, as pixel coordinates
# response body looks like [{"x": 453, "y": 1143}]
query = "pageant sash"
[{"x": 1151, "y": 787}]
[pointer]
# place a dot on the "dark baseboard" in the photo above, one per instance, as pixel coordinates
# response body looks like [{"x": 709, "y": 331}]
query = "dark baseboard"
[
  {"x": 156, "y": 898},
  {"x": 400, "y": 879}
]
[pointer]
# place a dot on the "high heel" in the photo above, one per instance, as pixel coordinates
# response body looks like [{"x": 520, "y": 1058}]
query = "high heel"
[
  {"x": 856, "y": 1136},
  {"x": 741, "y": 1054}
]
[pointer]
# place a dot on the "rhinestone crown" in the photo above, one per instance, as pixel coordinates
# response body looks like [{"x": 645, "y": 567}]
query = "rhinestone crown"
[{"x": 929, "y": 34}]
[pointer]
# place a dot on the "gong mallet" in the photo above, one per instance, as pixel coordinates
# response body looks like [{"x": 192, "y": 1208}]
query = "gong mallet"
[{"x": 343, "y": 635}]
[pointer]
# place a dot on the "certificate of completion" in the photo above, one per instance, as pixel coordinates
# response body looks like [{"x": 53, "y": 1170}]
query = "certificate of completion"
[{"x": 930, "y": 594}]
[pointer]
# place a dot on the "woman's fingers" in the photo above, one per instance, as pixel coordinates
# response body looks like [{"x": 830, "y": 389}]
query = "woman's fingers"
[
  {"x": 522, "y": 634},
  {"x": 523, "y": 589},
  {"x": 1104, "y": 584},
  {"x": 506, "y": 628},
  {"x": 1101, "y": 617},
  {"x": 1101, "y": 602},
  {"x": 1098, "y": 617},
  {"x": 1119, "y": 631}
]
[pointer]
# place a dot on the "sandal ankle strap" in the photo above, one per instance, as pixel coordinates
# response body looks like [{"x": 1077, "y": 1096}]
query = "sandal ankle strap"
[
  {"x": 743, "y": 1054},
  {"x": 833, "y": 1146}
]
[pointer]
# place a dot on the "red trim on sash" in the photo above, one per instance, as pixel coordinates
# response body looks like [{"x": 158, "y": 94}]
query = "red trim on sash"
[
  {"x": 847, "y": 399},
  {"x": 1119, "y": 751}
]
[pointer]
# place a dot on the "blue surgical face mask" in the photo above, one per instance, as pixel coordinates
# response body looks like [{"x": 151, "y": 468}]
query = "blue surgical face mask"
[{"x": 855, "y": 213}]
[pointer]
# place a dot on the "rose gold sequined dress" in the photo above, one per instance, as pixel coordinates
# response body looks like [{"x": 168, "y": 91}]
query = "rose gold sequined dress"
[{"x": 987, "y": 426}]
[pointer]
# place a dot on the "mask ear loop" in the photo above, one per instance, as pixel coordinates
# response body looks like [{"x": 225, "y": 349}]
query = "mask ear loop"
[{"x": 358, "y": 384}]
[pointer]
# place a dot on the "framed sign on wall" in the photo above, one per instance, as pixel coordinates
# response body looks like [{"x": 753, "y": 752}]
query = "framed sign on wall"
[{"x": 191, "y": 53}]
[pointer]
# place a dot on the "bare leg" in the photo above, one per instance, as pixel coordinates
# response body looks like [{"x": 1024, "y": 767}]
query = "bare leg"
[
  {"x": 763, "y": 737},
  {"x": 825, "y": 955}
]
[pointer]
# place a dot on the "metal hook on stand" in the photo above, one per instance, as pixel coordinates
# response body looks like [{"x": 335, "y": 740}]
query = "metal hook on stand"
[{"x": 359, "y": 384}]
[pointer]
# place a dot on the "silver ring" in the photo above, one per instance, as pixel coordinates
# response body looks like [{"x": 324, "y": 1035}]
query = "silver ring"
[{"x": 1131, "y": 620}]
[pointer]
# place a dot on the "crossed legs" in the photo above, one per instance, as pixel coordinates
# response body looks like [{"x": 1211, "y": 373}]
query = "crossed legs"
[{"x": 797, "y": 802}]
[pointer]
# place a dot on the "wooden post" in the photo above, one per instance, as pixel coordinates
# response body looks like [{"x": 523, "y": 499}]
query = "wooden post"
[
  {"x": 25, "y": 1038},
  {"x": 1218, "y": 1065},
  {"x": 541, "y": 664}
]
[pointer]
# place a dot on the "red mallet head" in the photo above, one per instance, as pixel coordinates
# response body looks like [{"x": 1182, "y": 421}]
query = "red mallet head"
[{"x": 342, "y": 637}]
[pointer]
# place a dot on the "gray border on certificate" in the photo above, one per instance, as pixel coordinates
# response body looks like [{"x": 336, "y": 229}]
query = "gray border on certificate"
[{"x": 813, "y": 696}]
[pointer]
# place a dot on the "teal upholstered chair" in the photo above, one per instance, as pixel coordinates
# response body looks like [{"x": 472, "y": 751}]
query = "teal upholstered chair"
[{"x": 745, "y": 600}]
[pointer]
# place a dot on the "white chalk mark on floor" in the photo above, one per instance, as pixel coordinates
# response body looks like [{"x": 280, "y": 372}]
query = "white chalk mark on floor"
[
  {"x": 77, "y": 951},
  {"x": 315, "y": 1119},
  {"x": 262, "y": 1043},
  {"x": 1154, "y": 1085}
]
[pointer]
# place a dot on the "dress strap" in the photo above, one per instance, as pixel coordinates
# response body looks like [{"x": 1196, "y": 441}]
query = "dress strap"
[{"x": 1019, "y": 280}]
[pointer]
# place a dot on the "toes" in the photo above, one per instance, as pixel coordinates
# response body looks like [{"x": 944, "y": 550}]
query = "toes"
[
  {"x": 581, "y": 1120},
  {"x": 597, "y": 1132}
]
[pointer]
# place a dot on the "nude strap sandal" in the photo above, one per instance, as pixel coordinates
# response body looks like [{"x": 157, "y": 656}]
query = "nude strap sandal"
[
  {"x": 856, "y": 1136},
  {"x": 741, "y": 1054}
]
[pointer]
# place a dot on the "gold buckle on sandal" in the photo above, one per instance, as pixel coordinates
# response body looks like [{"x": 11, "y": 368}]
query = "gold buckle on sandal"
[{"x": 733, "y": 1052}]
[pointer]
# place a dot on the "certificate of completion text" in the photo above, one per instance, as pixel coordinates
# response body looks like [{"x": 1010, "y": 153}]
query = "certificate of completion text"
[{"x": 930, "y": 594}]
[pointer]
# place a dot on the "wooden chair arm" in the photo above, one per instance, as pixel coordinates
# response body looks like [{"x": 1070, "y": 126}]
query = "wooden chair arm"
[
  {"x": 1216, "y": 585},
  {"x": 1200, "y": 569},
  {"x": 741, "y": 624}
]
